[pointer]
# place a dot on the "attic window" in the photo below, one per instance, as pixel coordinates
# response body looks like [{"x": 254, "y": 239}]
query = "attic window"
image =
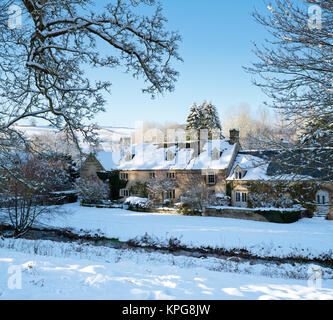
[
  {"x": 239, "y": 175},
  {"x": 129, "y": 156},
  {"x": 170, "y": 155},
  {"x": 216, "y": 154}
]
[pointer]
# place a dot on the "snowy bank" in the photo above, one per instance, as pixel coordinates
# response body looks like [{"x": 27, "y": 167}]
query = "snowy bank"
[{"x": 307, "y": 238}]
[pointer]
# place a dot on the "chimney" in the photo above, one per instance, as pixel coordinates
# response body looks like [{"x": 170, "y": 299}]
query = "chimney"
[{"x": 234, "y": 136}]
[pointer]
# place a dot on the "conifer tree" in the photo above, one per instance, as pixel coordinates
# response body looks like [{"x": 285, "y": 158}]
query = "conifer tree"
[{"x": 203, "y": 116}]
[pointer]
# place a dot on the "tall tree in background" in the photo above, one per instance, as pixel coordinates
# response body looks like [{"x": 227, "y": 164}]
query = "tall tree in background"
[
  {"x": 204, "y": 116},
  {"x": 43, "y": 62},
  {"x": 296, "y": 69}
]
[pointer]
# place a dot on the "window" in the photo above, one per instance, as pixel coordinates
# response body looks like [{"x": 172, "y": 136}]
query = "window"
[
  {"x": 171, "y": 175},
  {"x": 129, "y": 156},
  {"x": 170, "y": 155},
  {"x": 211, "y": 178},
  {"x": 241, "y": 197},
  {"x": 239, "y": 175},
  {"x": 124, "y": 176},
  {"x": 322, "y": 197},
  {"x": 124, "y": 193},
  {"x": 171, "y": 194},
  {"x": 216, "y": 154},
  {"x": 152, "y": 175}
]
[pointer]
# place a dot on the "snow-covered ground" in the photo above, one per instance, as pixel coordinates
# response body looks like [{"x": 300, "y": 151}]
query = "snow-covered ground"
[
  {"x": 50, "y": 270},
  {"x": 307, "y": 237}
]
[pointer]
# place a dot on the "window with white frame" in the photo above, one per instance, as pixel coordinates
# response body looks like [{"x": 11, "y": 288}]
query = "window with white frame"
[
  {"x": 241, "y": 197},
  {"x": 124, "y": 176},
  {"x": 171, "y": 194},
  {"x": 322, "y": 197},
  {"x": 238, "y": 175},
  {"x": 211, "y": 178},
  {"x": 124, "y": 193},
  {"x": 170, "y": 155}
]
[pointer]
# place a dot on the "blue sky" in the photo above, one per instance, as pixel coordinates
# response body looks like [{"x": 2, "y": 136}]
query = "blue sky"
[
  {"x": 217, "y": 37},
  {"x": 216, "y": 43}
]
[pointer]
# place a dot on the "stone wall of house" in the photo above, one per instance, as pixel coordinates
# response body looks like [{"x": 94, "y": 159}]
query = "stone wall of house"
[
  {"x": 90, "y": 167},
  {"x": 183, "y": 179}
]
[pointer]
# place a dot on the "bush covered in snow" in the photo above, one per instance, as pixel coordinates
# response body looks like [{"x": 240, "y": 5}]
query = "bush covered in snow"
[
  {"x": 219, "y": 199},
  {"x": 137, "y": 203},
  {"x": 92, "y": 191}
]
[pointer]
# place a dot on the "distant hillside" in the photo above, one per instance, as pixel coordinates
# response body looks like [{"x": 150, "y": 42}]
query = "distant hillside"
[{"x": 109, "y": 137}]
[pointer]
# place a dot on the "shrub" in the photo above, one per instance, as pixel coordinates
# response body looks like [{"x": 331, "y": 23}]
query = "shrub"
[
  {"x": 280, "y": 216},
  {"x": 137, "y": 203},
  {"x": 283, "y": 195},
  {"x": 92, "y": 191}
]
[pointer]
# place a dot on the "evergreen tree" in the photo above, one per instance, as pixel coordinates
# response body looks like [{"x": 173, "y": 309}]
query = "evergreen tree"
[
  {"x": 211, "y": 120},
  {"x": 193, "y": 119},
  {"x": 204, "y": 116}
]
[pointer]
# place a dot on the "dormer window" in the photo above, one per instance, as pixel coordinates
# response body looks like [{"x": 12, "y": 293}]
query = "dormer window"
[
  {"x": 239, "y": 175},
  {"x": 216, "y": 154},
  {"x": 129, "y": 156},
  {"x": 170, "y": 155}
]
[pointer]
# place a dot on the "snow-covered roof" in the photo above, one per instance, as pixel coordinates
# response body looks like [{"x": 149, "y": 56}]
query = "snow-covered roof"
[
  {"x": 255, "y": 167},
  {"x": 109, "y": 160},
  {"x": 154, "y": 157}
]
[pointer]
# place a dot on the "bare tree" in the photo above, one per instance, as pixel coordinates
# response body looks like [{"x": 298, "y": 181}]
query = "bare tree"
[
  {"x": 43, "y": 65},
  {"x": 25, "y": 190},
  {"x": 157, "y": 189},
  {"x": 295, "y": 71},
  {"x": 196, "y": 192}
]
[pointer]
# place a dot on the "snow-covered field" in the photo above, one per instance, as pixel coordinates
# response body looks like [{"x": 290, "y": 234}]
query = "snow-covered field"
[
  {"x": 306, "y": 238},
  {"x": 50, "y": 270},
  {"x": 55, "y": 270}
]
